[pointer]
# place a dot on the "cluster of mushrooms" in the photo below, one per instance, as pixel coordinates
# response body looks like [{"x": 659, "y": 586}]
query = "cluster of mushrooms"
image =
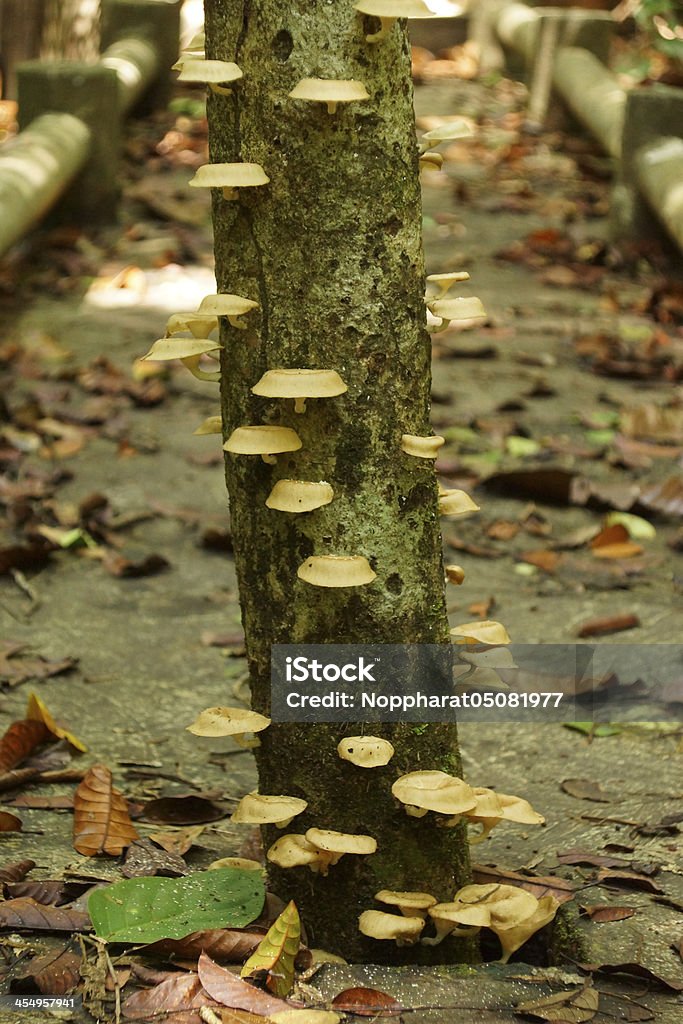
[{"x": 512, "y": 913}]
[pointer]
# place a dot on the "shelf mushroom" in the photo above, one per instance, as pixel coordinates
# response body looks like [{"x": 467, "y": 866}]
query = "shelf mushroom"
[
  {"x": 210, "y": 72},
  {"x": 300, "y": 385},
  {"x": 454, "y": 573},
  {"x": 259, "y": 809},
  {"x": 377, "y": 924},
  {"x": 483, "y": 631},
  {"x": 229, "y": 177},
  {"x": 294, "y": 851},
  {"x": 444, "y": 282},
  {"x": 454, "y": 502},
  {"x": 188, "y": 350},
  {"x": 389, "y": 11},
  {"x": 265, "y": 441},
  {"x": 299, "y": 495},
  {"x": 459, "y": 129},
  {"x": 211, "y": 425},
  {"x": 332, "y": 846},
  {"x": 231, "y": 306},
  {"x": 411, "y": 904},
  {"x": 200, "y": 325},
  {"x": 422, "y": 447},
  {"x": 336, "y": 571},
  {"x": 436, "y": 791},
  {"x": 330, "y": 91},
  {"x": 430, "y": 161},
  {"x": 235, "y": 722},
  {"x": 447, "y": 310},
  {"x": 492, "y": 808},
  {"x": 366, "y": 751}
]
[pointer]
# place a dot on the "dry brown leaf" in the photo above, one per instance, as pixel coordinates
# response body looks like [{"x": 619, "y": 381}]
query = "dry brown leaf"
[
  {"x": 20, "y": 740},
  {"x": 628, "y": 879},
  {"x": 182, "y": 810},
  {"x": 608, "y": 624},
  {"x": 366, "y": 1002},
  {"x": 178, "y": 993},
  {"x": 224, "y": 945},
  {"x": 537, "y": 885},
  {"x": 572, "y": 1007},
  {"x": 231, "y": 991},
  {"x": 180, "y": 841},
  {"x": 16, "y": 872},
  {"x": 26, "y": 913},
  {"x": 584, "y": 789},
  {"x": 546, "y": 560},
  {"x": 56, "y": 973},
  {"x": 101, "y": 821},
  {"x": 144, "y": 859},
  {"x": 602, "y": 913},
  {"x": 10, "y": 822}
]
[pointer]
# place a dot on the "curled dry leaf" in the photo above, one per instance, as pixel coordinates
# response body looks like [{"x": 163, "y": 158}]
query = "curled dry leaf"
[
  {"x": 224, "y": 945},
  {"x": 144, "y": 858},
  {"x": 179, "y": 841},
  {"x": 37, "y": 711},
  {"x": 16, "y": 872},
  {"x": 26, "y": 913},
  {"x": 608, "y": 624},
  {"x": 571, "y": 1007},
  {"x": 366, "y": 1002},
  {"x": 101, "y": 821},
  {"x": 182, "y": 810},
  {"x": 603, "y": 913},
  {"x": 20, "y": 740},
  {"x": 55, "y": 974},
  {"x": 10, "y": 822},
  {"x": 231, "y": 991},
  {"x": 179, "y": 993}
]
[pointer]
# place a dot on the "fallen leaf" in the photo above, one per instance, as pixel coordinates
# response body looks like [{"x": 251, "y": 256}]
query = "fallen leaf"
[
  {"x": 537, "y": 885},
  {"x": 47, "y": 891},
  {"x": 117, "y": 563},
  {"x": 366, "y": 1002},
  {"x": 55, "y": 973},
  {"x": 637, "y": 971},
  {"x": 608, "y": 624},
  {"x": 10, "y": 822},
  {"x": 101, "y": 820},
  {"x": 546, "y": 560},
  {"x": 180, "y": 841},
  {"x": 584, "y": 789},
  {"x": 37, "y": 711},
  {"x": 20, "y": 740},
  {"x": 179, "y": 993},
  {"x": 25, "y": 913},
  {"x": 666, "y": 498},
  {"x": 16, "y": 667},
  {"x": 593, "y": 859},
  {"x": 602, "y": 913},
  {"x": 224, "y": 945},
  {"x": 571, "y": 1007},
  {"x": 275, "y": 955},
  {"x": 502, "y": 529},
  {"x": 25, "y": 558},
  {"x": 16, "y": 872},
  {"x": 143, "y": 858},
  {"x": 652, "y": 423},
  {"x": 628, "y": 879},
  {"x": 182, "y": 810},
  {"x": 232, "y": 991}
]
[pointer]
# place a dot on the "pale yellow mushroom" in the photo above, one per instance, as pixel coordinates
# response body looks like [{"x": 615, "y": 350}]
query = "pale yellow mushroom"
[
  {"x": 411, "y": 904},
  {"x": 210, "y": 72},
  {"x": 454, "y": 502},
  {"x": 299, "y": 495},
  {"x": 444, "y": 282},
  {"x": 461, "y": 309},
  {"x": 459, "y": 129},
  {"x": 404, "y": 931},
  {"x": 336, "y": 571},
  {"x": 330, "y": 91},
  {"x": 483, "y": 631},
  {"x": 437, "y": 791},
  {"x": 455, "y": 574},
  {"x": 422, "y": 447},
  {"x": 365, "y": 751},
  {"x": 492, "y": 808},
  {"x": 388, "y": 12},
  {"x": 211, "y": 425},
  {"x": 264, "y": 441},
  {"x": 235, "y": 722},
  {"x": 188, "y": 350},
  {"x": 200, "y": 325},
  {"x": 229, "y": 177},
  {"x": 294, "y": 851},
  {"x": 260, "y": 809},
  {"x": 300, "y": 384},
  {"x": 332, "y": 846},
  {"x": 231, "y": 306}
]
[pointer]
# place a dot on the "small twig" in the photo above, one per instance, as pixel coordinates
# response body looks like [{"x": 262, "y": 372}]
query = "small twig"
[{"x": 27, "y": 589}]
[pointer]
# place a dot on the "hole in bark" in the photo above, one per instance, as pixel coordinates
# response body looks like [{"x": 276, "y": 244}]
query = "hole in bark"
[
  {"x": 394, "y": 583},
  {"x": 282, "y": 45}
]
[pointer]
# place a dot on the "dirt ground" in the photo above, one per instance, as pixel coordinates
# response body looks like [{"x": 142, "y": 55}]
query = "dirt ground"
[{"x": 154, "y": 649}]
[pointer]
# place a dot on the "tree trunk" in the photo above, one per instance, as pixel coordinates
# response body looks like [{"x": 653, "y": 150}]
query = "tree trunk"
[{"x": 331, "y": 250}]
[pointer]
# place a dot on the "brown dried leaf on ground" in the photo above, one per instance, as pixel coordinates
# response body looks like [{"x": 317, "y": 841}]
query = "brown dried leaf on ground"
[
  {"x": 572, "y": 1007},
  {"x": 366, "y": 1002},
  {"x": 10, "y": 822},
  {"x": 20, "y": 740},
  {"x": 537, "y": 885},
  {"x": 608, "y": 624},
  {"x": 134, "y": 563},
  {"x": 179, "y": 841},
  {"x": 182, "y": 810},
  {"x": 604, "y": 913},
  {"x": 584, "y": 789},
  {"x": 666, "y": 497},
  {"x": 629, "y": 880},
  {"x": 37, "y": 711},
  {"x": 25, "y": 558},
  {"x": 47, "y": 891},
  {"x": 101, "y": 821},
  {"x": 224, "y": 945},
  {"x": 56, "y": 973},
  {"x": 231, "y": 991},
  {"x": 16, "y": 667},
  {"x": 649, "y": 422},
  {"x": 25, "y": 913},
  {"x": 16, "y": 872},
  {"x": 176, "y": 994},
  {"x": 143, "y": 859}
]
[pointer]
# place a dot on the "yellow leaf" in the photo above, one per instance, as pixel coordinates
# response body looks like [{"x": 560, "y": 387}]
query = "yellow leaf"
[
  {"x": 37, "y": 710},
  {"x": 276, "y": 952}
]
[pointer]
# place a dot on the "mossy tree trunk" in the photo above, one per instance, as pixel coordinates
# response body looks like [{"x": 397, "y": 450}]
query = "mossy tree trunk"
[{"x": 332, "y": 252}]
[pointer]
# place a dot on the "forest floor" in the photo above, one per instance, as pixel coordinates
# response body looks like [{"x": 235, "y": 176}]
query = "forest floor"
[{"x": 118, "y": 602}]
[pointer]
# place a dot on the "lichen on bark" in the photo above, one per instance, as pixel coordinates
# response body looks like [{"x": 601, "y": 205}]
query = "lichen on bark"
[{"x": 331, "y": 250}]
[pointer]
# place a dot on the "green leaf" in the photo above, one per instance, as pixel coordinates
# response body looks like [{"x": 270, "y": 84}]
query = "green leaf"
[
  {"x": 639, "y": 529},
  {"x": 149, "y": 909},
  {"x": 593, "y": 730},
  {"x": 521, "y": 447}
]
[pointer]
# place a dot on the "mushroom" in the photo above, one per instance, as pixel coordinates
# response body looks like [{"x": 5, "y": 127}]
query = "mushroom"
[
  {"x": 235, "y": 722},
  {"x": 453, "y": 502},
  {"x": 265, "y": 441},
  {"x": 422, "y": 447},
  {"x": 411, "y": 904},
  {"x": 332, "y": 846},
  {"x": 300, "y": 385},
  {"x": 433, "y": 791},
  {"x": 294, "y": 851},
  {"x": 484, "y": 631},
  {"x": 444, "y": 282},
  {"x": 491, "y": 808},
  {"x": 259, "y": 809},
  {"x": 481, "y": 906},
  {"x": 200, "y": 325},
  {"x": 401, "y": 930},
  {"x": 515, "y": 934},
  {"x": 365, "y": 751},
  {"x": 299, "y": 495},
  {"x": 389, "y": 11},
  {"x": 241, "y": 863},
  {"x": 447, "y": 918},
  {"x": 430, "y": 161},
  {"x": 459, "y": 129},
  {"x": 211, "y": 425},
  {"x": 456, "y": 309},
  {"x": 229, "y": 177},
  {"x": 232, "y": 306},
  {"x": 454, "y": 573},
  {"x": 336, "y": 571},
  {"x": 330, "y": 91},
  {"x": 196, "y": 69},
  {"x": 188, "y": 350}
]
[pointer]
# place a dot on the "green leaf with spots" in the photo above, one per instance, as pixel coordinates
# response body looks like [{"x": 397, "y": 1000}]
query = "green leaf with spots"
[{"x": 149, "y": 909}]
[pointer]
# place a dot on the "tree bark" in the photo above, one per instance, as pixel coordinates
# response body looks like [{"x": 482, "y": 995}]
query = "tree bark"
[{"x": 331, "y": 250}]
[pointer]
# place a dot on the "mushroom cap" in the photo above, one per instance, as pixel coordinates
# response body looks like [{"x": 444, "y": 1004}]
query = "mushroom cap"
[
  {"x": 340, "y": 842},
  {"x": 422, "y": 447},
  {"x": 515, "y": 935},
  {"x": 293, "y": 851},
  {"x": 259, "y": 809},
  {"x": 514, "y": 808},
  {"x": 434, "y": 791},
  {"x": 454, "y": 574},
  {"x": 262, "y": 440},
  {"x": 457, "y": 309},
  {"x": 300, "y": 384},
  {"x": 484, "y": 631},
  {"x": 452, "y": 277},
  {"x": 178, "y": 322},
  {"x": 179, "y": 348},
  {"x": 488, "y": 804},
  {"x": 225, "y": 304},
  {"x": 336, "y": 571},
  {"x": 376, "y": 924},
  {"x": 506, "y": 905},
  {"x": 243, "y": 863},
  {"x": 211, "y": 425},
  {"x": 227, "y": 722},
  {"x": 329, "y": 90},
  {"x": 237, "y": 175},
  {"x": 299, "y": 495},
  {"x": 410, "y": 901},
  {"x": 454, "y": 502},
  {"x": 394, "y": 8},
  {"x": 365, "y": 751},
  {"x": 455, "y": 913},
  {"x": 194, "y": 69},
  {"x": 458, "y": 129}
]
